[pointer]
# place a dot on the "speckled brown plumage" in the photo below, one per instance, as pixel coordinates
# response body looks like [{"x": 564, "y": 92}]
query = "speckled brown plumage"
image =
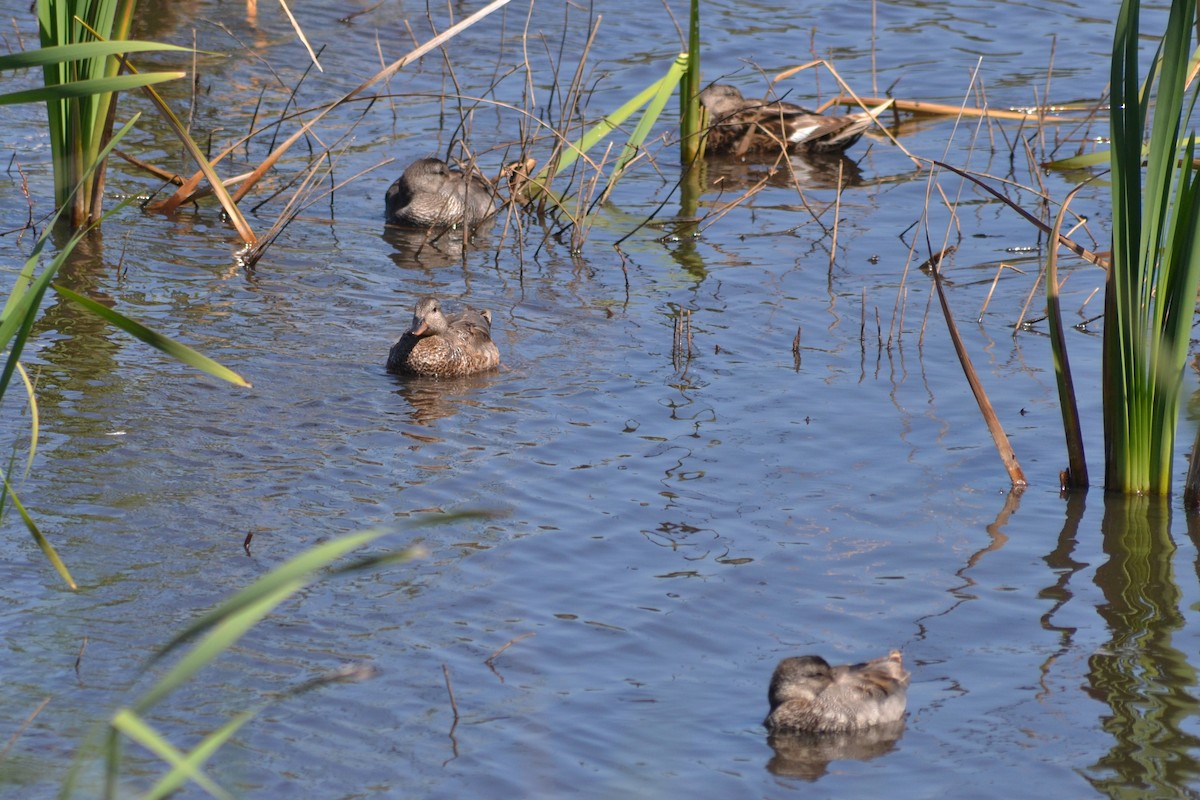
[
  {"x": 737, "y": 126},
  {"x": 445, "y": 345},
  {"x": 431, "y": 195},
  {"x": 809, "y": 696}
]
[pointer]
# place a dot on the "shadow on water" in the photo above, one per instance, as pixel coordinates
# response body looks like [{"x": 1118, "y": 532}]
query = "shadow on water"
[{"x": 1146, "y": 681}]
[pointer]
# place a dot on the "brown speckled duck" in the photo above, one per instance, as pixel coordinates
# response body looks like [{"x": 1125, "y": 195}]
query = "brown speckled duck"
[
  {"x": 445, "y": 345},
  {"x": 431, "y": 195},
  {"x": 809, "y": 696},
  {"x": 737, "y": 126}
]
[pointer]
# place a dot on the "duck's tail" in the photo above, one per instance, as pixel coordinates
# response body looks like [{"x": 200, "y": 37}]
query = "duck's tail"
[{"x": 835, "y": 134}]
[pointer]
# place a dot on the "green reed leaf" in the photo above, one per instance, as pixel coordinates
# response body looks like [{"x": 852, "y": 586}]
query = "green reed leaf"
[{"x": 180, "y": 352}]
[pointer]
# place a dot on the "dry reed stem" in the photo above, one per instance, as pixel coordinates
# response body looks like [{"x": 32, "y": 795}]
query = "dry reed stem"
[
  {"x": 709, "y": 219},
  {"x": 21, "y": 728},
  {"x": 681, "y": 341},
  {"x": 987, "y": 298},
  {"x": 862, "y": 322},
  {"x": 383, "y": 74},
  {"x": 874, "y": 40},
  {"x": 491, "y": 660},
  {"x": 943, "y": 110},
  {"x": 896, "y": 326},
  {"x": 1075, "y": 476},
  {"x": 79, "y": 658},
  {"x": 298, "y": 202},
  {"x": 1003, "y": 447},
  {"x": 1078, "y": 249},
  {"x": 450, "y": 691},
  {"x": 837, "y": 215},
  {"x": 300, "y": 34}
]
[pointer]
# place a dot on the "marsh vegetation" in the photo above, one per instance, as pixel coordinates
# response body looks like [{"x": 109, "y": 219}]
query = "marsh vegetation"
[{"x": 731, "y": 422}]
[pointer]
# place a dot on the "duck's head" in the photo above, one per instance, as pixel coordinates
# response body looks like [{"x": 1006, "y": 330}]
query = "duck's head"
[
  {"x": 428, "y": 318},
  {"x": 799, "y": 678},
  {"x": 721, "y": 100},
  {"x": 426, "y": 175}
]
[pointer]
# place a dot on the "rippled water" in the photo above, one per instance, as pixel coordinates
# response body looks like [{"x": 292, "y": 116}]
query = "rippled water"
[{"x": 660, "y": 531}]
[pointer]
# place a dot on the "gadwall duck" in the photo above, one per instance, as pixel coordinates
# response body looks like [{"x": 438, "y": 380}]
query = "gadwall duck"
[
  {"x": 737, "y": 126},
  {"x": 429, "y": 194},
  {"x": 445, "y": 345},
  {"x": 809, "y": 696}
]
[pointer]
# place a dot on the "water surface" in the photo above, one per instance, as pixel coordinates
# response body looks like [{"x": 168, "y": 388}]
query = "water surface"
[{"x": 660, "y": 531}]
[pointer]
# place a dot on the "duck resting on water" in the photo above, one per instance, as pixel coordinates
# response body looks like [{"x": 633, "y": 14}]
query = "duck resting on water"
[
  {"x": 431, "y": 195},
  {"x": 807, "y": 695},
  {"x": 438, "y": 344},
  {"x": 737, "y": 126}
]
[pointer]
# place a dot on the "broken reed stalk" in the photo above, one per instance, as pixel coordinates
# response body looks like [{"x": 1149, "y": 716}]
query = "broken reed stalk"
[
  {"x": 681, "y": 342},
  {"x": 450, "y": 691},
  {"x": 837, "y": 214},
  {"x": 943, "y": 110},
  {"x": 491, "y": 660},
  {"x": 1003, "y": 447},
  {"x": 862, "y": 321}
]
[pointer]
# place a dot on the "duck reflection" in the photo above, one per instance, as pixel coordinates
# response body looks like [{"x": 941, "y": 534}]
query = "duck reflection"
[
  {"x": 432, "y": 399},
  {"x": 808, "y": 171},
  {"x": 432, "y": 247},
  {"x": 808, "y": 755}
]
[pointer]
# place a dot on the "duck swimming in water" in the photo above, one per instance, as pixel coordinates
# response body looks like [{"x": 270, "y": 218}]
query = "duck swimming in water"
[
  {"x": 445, "y": 345},
  {"x": 737, "y": 126},
  {"x": 431, "y": 195},
  {"x": 809, "y": 696}
]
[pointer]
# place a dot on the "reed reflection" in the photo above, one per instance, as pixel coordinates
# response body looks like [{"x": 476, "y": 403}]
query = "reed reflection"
[
  {"x": 1144, "y": 678},
  {"x": 1062, "y": 562}
]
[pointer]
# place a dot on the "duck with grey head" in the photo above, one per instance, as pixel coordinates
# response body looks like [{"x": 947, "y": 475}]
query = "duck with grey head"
[
  {"x": 443, "y": 345},
  {"x": 432, "y": 195}
]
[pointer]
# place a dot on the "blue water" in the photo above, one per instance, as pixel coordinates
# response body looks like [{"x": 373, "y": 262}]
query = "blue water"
[{"x": 658, "y": 531}]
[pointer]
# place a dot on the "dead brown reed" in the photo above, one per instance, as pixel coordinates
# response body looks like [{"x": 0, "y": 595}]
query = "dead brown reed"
[{"x": 681, "y": 343}]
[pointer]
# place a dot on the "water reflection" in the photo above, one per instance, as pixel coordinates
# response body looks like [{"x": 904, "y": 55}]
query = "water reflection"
[
  {"x": 808, "y": 756},
  {"x": 80, "y": 351},
  {"x": 829, "y": 171},
  {"x": 432, "y": 399},
  {"x": 1146, "y": 681},
  {"x": 434, "y": 247},
  {"x": 1061, "y": 560}
]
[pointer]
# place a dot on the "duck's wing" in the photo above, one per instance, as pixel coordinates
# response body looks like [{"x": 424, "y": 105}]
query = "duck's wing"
[
  {"x": 822, "y": 134},
  {"x": 473, "y": 325},
  {"x": 877, "y": 678}
]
